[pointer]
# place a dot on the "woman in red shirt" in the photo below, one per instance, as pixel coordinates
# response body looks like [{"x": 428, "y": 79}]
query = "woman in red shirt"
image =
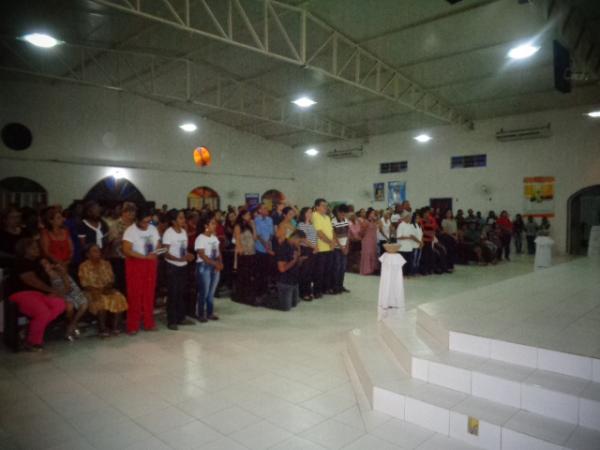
[
  {"x": 55, "y": 240},
  {"x": 506, "y": 229}
]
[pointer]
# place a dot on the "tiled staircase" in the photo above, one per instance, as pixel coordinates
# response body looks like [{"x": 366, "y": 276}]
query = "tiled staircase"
[{"x": 487, "y": 393}]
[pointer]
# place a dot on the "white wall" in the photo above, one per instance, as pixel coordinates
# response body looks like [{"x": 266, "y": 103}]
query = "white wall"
[
  {"x": 97, "y": 130},
  {"x": 87, "y": 124},
  {"x": 572, "y": 155}
]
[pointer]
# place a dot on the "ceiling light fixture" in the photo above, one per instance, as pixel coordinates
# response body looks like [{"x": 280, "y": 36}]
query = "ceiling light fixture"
[
  {"x": 304, "y": 102},
  {"x": 423, "y": 138},
  {"x": 312, "y": 152},
  {"x": 523, "y": 51},
  {"x": 188, "y": 127},
  {"x": 41, "y": 40},
  {"x": 594, "y": 114}
]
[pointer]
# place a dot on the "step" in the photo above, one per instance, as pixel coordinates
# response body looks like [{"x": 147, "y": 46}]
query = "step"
[
  {"x": 510, "y": 352},
  {"x": 447, "y": 411},
  {"x": 508, "y": 320},
  {"x": 563, "y": 397}
]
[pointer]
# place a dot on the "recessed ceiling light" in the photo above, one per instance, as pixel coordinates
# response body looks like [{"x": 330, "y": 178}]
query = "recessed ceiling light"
[
  {"x": 41, "y": 40},
  {"x": 189, "y": 127},
  {"x": 312, "y": 152},
  {"x": 304, "y": 102},
  {"x": 594, "y": 114},
  {"x": 523, "y": 51},
  {"x": 423, "y": 138}
]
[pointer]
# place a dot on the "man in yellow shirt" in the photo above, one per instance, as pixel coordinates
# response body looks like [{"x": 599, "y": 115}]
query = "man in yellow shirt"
[{"x": 326, "y": 243}]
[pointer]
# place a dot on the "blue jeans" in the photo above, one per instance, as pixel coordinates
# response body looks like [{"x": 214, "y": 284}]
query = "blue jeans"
[
  {"x": 340, "y": 261},
  {"x": 416, "y": 262},
  {"x": 207, "y": 279}
]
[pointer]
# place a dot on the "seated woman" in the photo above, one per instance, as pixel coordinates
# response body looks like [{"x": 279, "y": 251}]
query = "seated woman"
[
  {"x": 77, "y": 303},
  {"x": 55, "y": 240},
  {"x": 33, "y": 293},
  {"x": 57, "y": 250},
  {"x": 97, "y": 279}
]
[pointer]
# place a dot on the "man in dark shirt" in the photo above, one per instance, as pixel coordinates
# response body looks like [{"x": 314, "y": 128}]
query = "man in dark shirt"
[{"x": 288, "y": 260}]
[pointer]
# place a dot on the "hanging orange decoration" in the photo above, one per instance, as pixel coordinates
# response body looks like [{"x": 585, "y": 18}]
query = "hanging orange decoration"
[{"x": 202, "y": 157}]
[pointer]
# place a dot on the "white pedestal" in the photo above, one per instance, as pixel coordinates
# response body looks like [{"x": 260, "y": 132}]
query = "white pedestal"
[
  {"x": 543, "y": 252},
  {"x": 391, "y": 285}
]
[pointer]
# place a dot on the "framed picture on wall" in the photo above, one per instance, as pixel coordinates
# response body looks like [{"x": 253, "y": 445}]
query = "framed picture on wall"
[
  {"x": 252, "y": 200},
  {"x": 379, "y": 192},
  {"x": 396, "y": 192},
  {"x": 538, "y": 193}
]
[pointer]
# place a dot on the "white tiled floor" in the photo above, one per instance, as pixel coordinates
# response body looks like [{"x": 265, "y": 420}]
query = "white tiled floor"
[{"x": 257, "y": 379}]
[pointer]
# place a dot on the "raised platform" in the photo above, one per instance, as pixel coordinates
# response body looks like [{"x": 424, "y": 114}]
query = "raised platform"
[
  {"x": 556, "y": 309},
  {"x": 419, "y": 368}
]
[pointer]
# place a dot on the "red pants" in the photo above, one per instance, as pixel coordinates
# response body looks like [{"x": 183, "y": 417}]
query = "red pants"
[
  {"x": 41, "y": 310},
  {"x": 141, "y": 285}
]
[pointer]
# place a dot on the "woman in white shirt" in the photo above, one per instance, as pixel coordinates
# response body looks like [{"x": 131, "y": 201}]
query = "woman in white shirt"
[
  {"x": 418, "y": 245},
  {"x": 141, "y": 243},
  {"x": 177, "y": 257},
  {"x": 208, "y": 268},
  {"x": 406, "y": 235},
  {"x": 384, "y": 232}
]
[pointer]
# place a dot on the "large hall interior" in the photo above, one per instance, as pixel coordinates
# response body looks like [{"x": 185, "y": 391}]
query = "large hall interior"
[{"x": 300, "y": 224}]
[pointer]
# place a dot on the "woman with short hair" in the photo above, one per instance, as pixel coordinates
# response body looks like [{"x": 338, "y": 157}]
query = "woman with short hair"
[
  {"x": 92, "y": 229},
  {"x": 97, "y": 279},
  {"x": 141, "y": 243}
]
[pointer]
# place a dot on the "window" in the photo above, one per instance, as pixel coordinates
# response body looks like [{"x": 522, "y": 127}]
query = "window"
[
  {"x": 393, "y": 167},
  {"x": 467, "y": 161}
]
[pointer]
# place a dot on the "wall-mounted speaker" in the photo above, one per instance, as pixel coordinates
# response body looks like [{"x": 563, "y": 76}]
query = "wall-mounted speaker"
[{"x": 16, "y": 136}]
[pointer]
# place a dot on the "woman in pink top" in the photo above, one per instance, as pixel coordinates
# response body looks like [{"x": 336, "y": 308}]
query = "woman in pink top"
[{"x": 368, "y": 257}]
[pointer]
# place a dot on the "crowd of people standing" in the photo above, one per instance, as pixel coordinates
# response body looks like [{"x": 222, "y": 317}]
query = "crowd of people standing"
[{"x": 118, "y": 261}]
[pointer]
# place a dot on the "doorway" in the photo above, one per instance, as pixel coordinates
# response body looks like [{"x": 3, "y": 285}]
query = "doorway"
[
  {"x": 583, "y": 212},
  {"x": 22, "y": 192},
  {"x": 203, "y": 196},
  {"x": 444, "y": 204}
]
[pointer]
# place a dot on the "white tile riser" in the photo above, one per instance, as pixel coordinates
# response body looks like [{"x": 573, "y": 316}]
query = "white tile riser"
[{"x": 489, "y": 436}]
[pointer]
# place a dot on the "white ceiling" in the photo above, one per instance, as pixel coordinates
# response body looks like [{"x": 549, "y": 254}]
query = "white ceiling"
[{"x": 455, "y": 53}]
